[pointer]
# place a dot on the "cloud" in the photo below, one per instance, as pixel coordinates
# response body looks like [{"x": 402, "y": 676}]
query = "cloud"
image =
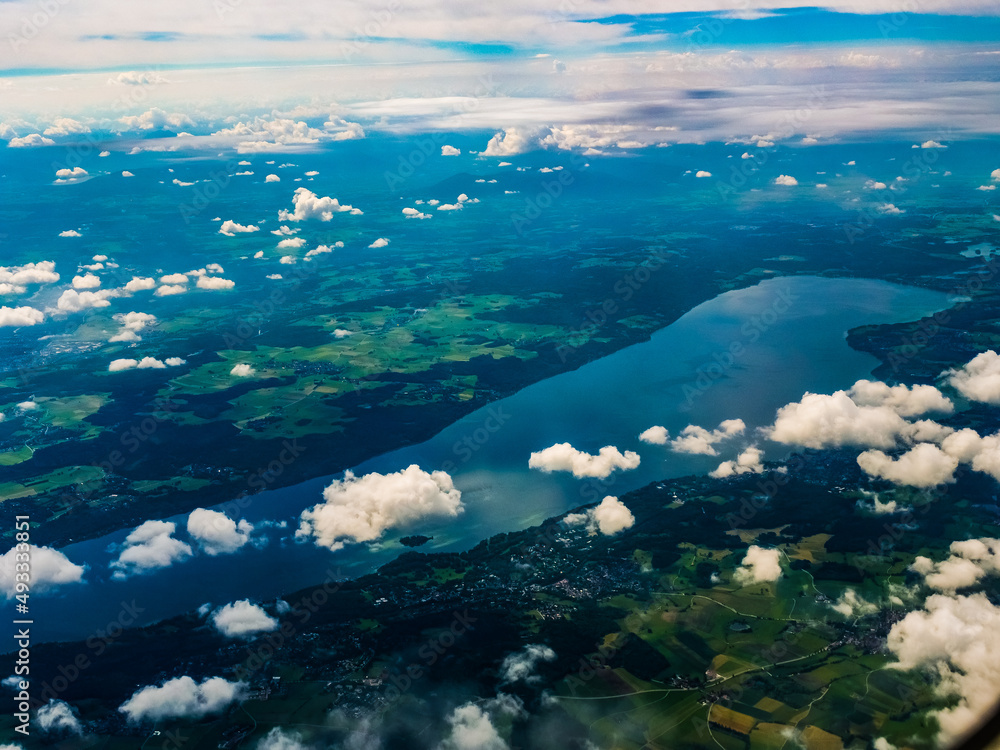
[
  {"x": 291, "y": 242},
  {"x": 272, "y": 178},
  {"x": 126, "y": 173},
  {"x": 699, "y": 441},
  {"x": 564, "y": 457},
  {"x": 520, "y": 666},
  {"x": 243, "y": 620},
  {"x": 995, "y": 175},
  {"x": 749, "y": 461},
  {"x": 31, "y": 140},
  {"x": 449, "y": 151},
  {"x": 278, "y": 739},
  {"x": 932, "y": 144},
  {"x": 230, "y": 228},
  {"x": 412, "y": 213},
  {"x": 851, "y": 605},
  {"x": 970, "y": 562},
  {"x": 784, "y": 179},
  {"x": 73, "y": 301},
  {"x": 216, "y": 533},
  {"x": 58, "y": 717},
  {"x": 139, "y": 284},
  {"x": 307, "y": 205},
  {"x": 874, "y": 185},
  {"x": 242, "y": 370},
  {"x": 361, "y": 509},
  {"x": 70, "y": 233},
  {"x": 157, "y": 119},
  {"x": 168, "y": 290},
  {"x": 214, "y": 282},
  {"x": 609, "y": 517},
  {"x": 50, "y": 569},
  {"x": 380, "y": 242},
  {"x": 958, "y": 639},
  {"x": 71, "y": 175},
  {"x": 16, "y": 279},
  {"x": 759, "y": 566},
  {"x": 182, "y": 697},
  {"x": 132, "y": 323},
  {"x": 702, "y": 173},
  {"x": 979, "y": 379},
  {"x": 891, "y": 209},
  {"x": 149, "y": 547},
  {"x": 15, "y": 317},
  {"x": 924, "y": 465},
  {"x": 322, "y": 250},
  {"x": 87, "y": 281},
  {"x": 655, "y": 435},
  {"x": 912, "y": 401},
  {"x": 473, "y": 726},
  {"x": 510, "y": 142}
]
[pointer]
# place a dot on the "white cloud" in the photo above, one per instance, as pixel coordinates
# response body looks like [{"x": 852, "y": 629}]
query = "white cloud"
[
  {"x": 70, "y": 233},
  {"x": 749, "y": 461},
  {"x": 287, "y": 260},
  {"x": 230, "y": 228},
  {"x": 182, "y": 697},
  {"x": 702, "y": 173},
  {"x": 168, "y": 290},
  {"x": 307, "y": 205},
  {"x": 979, "y": 379},
  {"x": 149, "y": 547},
  {"x": 361, "y": 509},
  {"x": 760, "y": 565},
  {"x": 292, "y": 242},
  {"x": 699, "y": 441},
  {"x": 784, "y": 179},
  {"x": 243, "y": 370},
  {"x": 510, "y": 142},
  {"x": 450, "y": 207},
  {"x": 906, "y": 401},
  {"x": 132, "y": 323},
  {"x": 995, "y": 175},
  {"x": 321, "y": 250},
  {"x": 380, "y": 242},
  {"x": 15, "y": 279},
  {"x": 851, "y": 605},
  {"x": 655, "y": 435},
  {"x": 891, "y": 209},
  {"x": 279, "y": 739},
  {"x": 74, "y": 301},
  {"x": 412, "y": 213},
  {"x": 87, "y": 281},
  {"x": 71, "y": 175},
  {"x": 932, "y": 144},
  {"x": 986, "y": 187},
  {"x": 473, "y": 726},
  {"x": 874, "y": 185},
  {"x": 126, "y": 173},
  {"x": 958, "y": 639},
  {"x": 284, "y": 231},
  {"x": 243, "y": 620},
  {"x": 970, "y": 562},
  {"x": 58, "y": 717},
  {"x": 520, "y": 666},
  {"x": 449, "y": 151},
  {"x": 272, "y": 178},
  {"x": 214, "y": 282},
  {"x": 924, "y": 465},
  {"x": 564, "y": 457},
  {"x": 608, "y": 518},
  {"x": 50, "y": 569},
  {"x": 156, "y": 119},
  {"x": 15, "y": 317},
  {"x": 31, "y": 140},
  {"x": 125, "y": 363},
  {"x": 139, "y": 284},
  {"x": 216, "y": 533}
]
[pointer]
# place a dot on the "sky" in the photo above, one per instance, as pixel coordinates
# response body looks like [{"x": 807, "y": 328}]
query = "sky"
[{"x": 581, "y": 73}]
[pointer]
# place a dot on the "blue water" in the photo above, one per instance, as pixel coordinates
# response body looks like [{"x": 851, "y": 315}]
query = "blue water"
[{"x": 789, "y": 335}]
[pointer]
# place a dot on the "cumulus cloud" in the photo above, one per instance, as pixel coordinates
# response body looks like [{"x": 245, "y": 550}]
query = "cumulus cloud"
[
  {"x": 242, "y": 370},
  {"x": 699, "y": 441},
  {"x": 655, "y": 435},
  {"x": 702, "y": 173},
  {"x": 361, "y": 509},
  {"x": 131, "y": 324},
  {"x": 784, "y": 179},
  {"x": 230, "y": 228},
  {"x": 139, "y": 284},
  {"x": 449, "y": 151},
  {"x": 749, "y": 461},
  {"x": 958, "y": 638},
  {"x": 182, "y": 697},
  {"x": 912, "y": 401},
  {"x": 157, "y": 119},
  {"x": 307, "y": 205},
  {"x": 380, "y": 242},
  {"x": 822, "y": 421},
  {"x": 15, "y": 317},
  {"x": 520, "y": 666},
  {"x": 924, "y": 465},
  {"x": 58, "y": 717},
  {"x": 759, "y": 566},
  {"x": 216, "y": 533},
  {"x": 979, "y": 379},
  {"x": 70, "y": 233},
  {"x": 71, "y": 175},
  {"x": 564, "y": 457},
  {"x": 970, "y": 561},
  {"x": 168, "y": 290},
  {"x": 50, "y": 569},
  {"x": 87, "y": 281},
  {"x": 174, "y": 278},
  {"x": 279, "y": 739},
  {"x": 31, "y": 140},
  {"x": 609, "y": 517},
  {"x": 851, "y": 605},
  {"x": 149, "y": 547},
  {"x": 214, "y": 283},
  {"x": 16, "y": 279},
  {"x": 272, "y": 178},
  {"x": 932, "y": 144},
  {"x": 71, "y": 300},
  {"x": 146, "y": 363},
  {"x": 242, "y": 619},
  {"x": 291, "y": 242},
  {"x": 510, "y": 142},
  {"x": 474, "y": 726},
  {"x": 412, "y": 213}
]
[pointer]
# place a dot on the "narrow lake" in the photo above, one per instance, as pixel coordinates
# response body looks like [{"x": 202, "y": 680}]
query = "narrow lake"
[{"x": 788, "y": 335}]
